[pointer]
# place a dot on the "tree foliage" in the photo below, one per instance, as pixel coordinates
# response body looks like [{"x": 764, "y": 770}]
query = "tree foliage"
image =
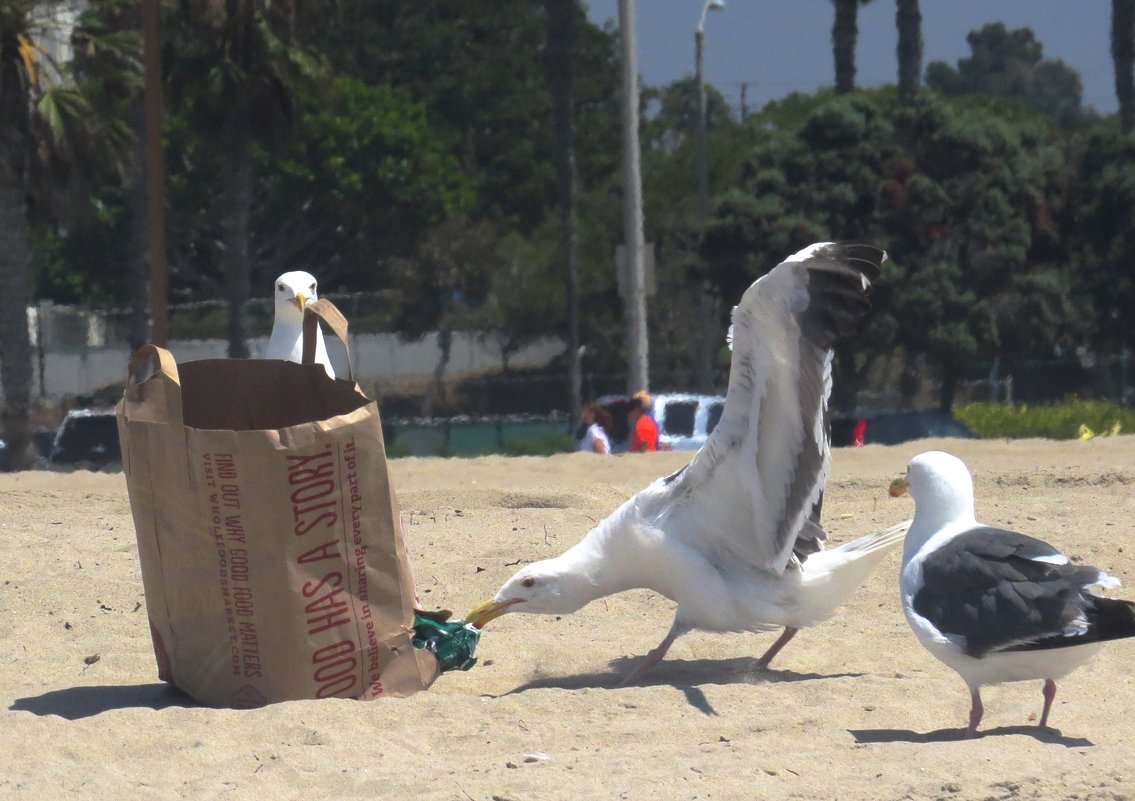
[
  {"x": 364, "y": 175},
  {"x": 1010, "y": 64},
  {"x": 411, "y": 148},
  {"x": 962, "y": 198},
  {"x": 53, "y": 147}
]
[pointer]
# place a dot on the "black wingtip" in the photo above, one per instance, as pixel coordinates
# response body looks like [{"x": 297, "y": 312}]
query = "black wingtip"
[
  {"x": 838, "y": 285},
  {"x": 1111, "y": 618},
  {"x": 867, "y": 258}
]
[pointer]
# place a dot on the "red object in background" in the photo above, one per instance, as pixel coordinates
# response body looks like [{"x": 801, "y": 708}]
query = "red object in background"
[
  {"x": 644, "y": 437},
  {"x": 859, "y": 433}
]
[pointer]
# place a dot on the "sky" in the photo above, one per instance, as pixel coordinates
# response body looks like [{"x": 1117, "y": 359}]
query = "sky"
[{"x": 781, "y": 46}]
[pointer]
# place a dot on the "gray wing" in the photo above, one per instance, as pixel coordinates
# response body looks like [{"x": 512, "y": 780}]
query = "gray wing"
[
  {"x": 1005, "y": 591},
  {"x": 753, "y": 491}
]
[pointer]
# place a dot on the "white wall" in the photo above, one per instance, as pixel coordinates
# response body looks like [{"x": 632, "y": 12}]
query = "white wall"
[{"x": 80, "y": 358}]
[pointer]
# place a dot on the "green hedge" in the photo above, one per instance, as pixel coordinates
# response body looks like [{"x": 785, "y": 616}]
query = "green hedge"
[
  {"x": 537, "y": 446},
  {"x": 999, "y": 420},
  {"x": 542, "y": 446}
]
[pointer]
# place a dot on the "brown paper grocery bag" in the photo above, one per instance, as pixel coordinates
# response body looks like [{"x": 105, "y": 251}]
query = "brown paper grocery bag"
[{"x": 268, "y": 532}]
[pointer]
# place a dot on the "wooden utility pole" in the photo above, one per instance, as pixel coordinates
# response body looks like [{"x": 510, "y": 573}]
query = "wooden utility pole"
[{"x": 635, "y": 303}]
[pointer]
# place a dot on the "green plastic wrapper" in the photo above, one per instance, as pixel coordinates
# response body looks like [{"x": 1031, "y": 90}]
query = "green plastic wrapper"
[{"x": 452, "y": 643}]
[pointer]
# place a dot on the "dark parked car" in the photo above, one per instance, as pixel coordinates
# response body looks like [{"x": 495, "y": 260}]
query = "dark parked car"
[{"x": 87, "y": 437}]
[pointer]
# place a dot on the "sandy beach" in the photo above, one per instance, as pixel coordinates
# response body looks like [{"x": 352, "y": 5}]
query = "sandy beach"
[{"x": 852, "y": 709}]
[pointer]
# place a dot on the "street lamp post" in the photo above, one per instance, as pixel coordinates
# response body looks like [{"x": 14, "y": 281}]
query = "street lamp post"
[
  {"x": 703, "y": 144},
  {"x": 703, "y": 373}
]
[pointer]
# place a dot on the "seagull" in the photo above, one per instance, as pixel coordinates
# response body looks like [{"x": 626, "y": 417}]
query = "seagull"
[
  {"x": 734, "y": 537},
  {"x": 995, "y": 605},
  {"x": 294, "y": 290}
]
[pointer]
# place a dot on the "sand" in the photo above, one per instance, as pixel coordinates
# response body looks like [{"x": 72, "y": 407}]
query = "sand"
[{"x": 853, "y": 709}]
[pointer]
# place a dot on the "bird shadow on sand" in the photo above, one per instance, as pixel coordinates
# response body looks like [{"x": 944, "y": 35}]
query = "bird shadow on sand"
[
  {"x": 682, "y": 674},
  {"x": 75, "y": 703},
  {"x": 1044, "y": 735}
]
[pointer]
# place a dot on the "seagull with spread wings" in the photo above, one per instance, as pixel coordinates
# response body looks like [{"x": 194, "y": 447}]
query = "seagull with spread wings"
[{"x": 734, "y": 537}]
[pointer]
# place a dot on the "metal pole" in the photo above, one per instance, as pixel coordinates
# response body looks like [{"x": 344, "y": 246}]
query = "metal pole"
[
  {"x": 637, "y": 356},
  {"x": 708, "y": 334},
  {"x": 703, "y": 144},
  {"x": 155, "y": 176}
]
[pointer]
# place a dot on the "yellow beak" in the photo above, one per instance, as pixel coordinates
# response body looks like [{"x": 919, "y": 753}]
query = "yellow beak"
[
  {"x": 300, "y": 300},
  {"x": 489, "y": 610},
  {"x": 898, "y": 487}
]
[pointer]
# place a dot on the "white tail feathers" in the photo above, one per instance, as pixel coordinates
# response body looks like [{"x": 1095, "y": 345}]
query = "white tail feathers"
[
  {"x": 879, "y": 540},
  {"x": 1108, "y": 582},
  {"x": 831, "y": 576}
]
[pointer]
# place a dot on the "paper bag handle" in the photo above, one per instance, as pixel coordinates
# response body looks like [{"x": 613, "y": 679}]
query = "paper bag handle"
[
  {"x": 147, "y": 354},
  {"x": 147, "y": 399},
  {"x": 326, "y": 311}
]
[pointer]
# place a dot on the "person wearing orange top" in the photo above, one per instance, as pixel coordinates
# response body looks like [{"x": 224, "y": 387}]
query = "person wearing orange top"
[{"x": 644, "y": 431}]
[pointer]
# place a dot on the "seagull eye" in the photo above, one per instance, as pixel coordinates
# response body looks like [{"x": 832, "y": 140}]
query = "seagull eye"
[
  {"x": 528, "y": 582},
  {"x": 279, "y": 287}
]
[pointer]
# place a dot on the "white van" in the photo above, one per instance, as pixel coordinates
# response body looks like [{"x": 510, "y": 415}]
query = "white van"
[{"x": 684, "y": 420}]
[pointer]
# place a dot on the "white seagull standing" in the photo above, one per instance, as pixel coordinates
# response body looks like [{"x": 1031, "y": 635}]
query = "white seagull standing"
[
  {"x": 734, "y": 537},
  {"x": 995, "y": 605},
  {"x": 294, "y": 291}
]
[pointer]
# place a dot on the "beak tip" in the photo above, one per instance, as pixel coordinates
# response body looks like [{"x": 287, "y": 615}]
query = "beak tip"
[{"x": 489, "y": 610}]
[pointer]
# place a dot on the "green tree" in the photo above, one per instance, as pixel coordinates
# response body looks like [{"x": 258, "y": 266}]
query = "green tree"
[
  {"x": 479, "y": 68},
  {"x": 977, "y": 202},
  {"x": 108, "y": 63},
  {"x": 562, "y": 24},
  {"x": 1100, "y": 231},
  {"x": 672, "y": 114},
  {"x": 1123, "y": 56},
  {"x": 1011, "y": 65},
  {"x": 443, "y": 289},
  {"x": 50, "y": 143},
  {"x": 961, "y": 194},
  {"x": 235, "y": 72},
  {"x": 17, "y": 71},
  {"x": 363, "y": 178}
]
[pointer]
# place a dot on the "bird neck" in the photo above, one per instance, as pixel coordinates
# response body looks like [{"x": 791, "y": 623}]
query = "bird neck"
[
  {"x": 936, "y": 513},
  {"x": 611, "y": 555}
]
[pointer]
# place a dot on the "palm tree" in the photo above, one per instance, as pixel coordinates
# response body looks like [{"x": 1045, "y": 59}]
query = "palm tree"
[
  {"x": 237, "y": 75},
  {"x": 17, "y": 81},
  {"x": 908, "y": 20},
  {"x": 48, "y": 132},
  {"x": 1123, "y": 55},
  {"x": 845, "y": 31}
]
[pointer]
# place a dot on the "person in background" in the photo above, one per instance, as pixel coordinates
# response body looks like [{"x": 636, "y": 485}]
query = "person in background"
[
  {"x": 597, "y": 422},
  {"x": 644, "y": 431}
]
